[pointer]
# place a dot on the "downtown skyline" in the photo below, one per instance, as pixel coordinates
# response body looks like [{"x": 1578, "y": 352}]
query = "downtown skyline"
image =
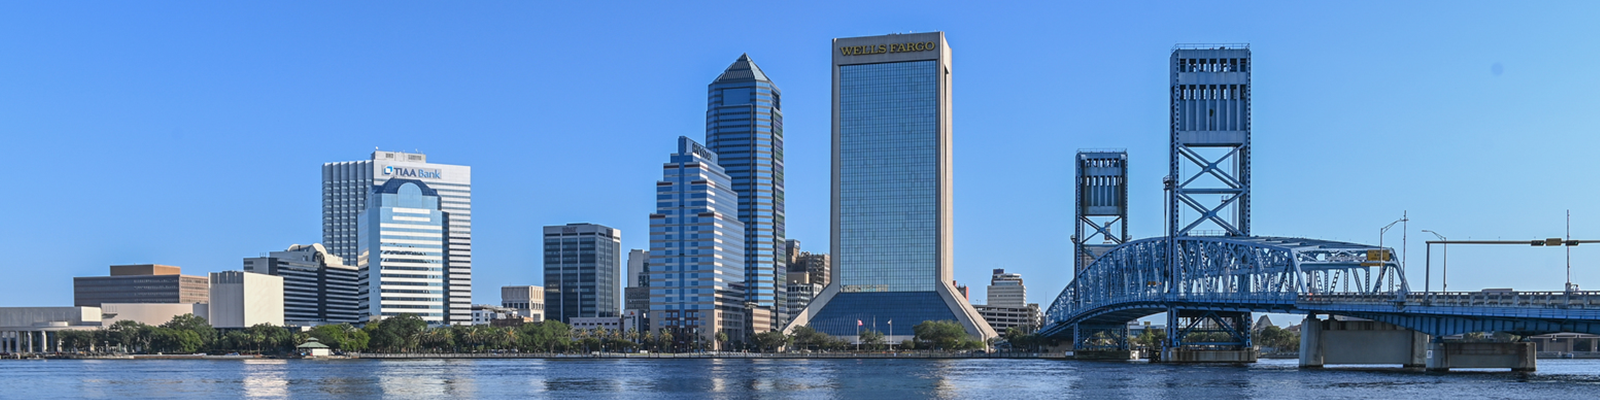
[{"x": 142, "y": 145}]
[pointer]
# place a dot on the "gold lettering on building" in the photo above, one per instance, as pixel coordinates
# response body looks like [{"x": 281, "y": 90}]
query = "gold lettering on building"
[{"x": 887, "y": 48}]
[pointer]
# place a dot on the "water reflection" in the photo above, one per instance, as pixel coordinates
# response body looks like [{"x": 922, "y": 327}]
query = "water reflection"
[{"x": 265, "y": 379}]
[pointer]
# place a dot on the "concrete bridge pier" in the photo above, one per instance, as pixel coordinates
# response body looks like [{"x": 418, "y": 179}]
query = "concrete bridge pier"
[
  {"x": 1332, "y": 342},
  {"x": 1518, "y": 356}
]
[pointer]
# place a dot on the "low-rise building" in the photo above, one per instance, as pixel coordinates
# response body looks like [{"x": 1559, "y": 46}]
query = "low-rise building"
[
  {"x": 150, "y": 313},
  {"x": 37, "y": 329},
  {"x": 1026, "y": 318},
  {"x": 143, "y": 283},
  {"x": 592, "y": 323},
  {"x": 484, "y": 314},
  {"x": 527, "y": 300}
]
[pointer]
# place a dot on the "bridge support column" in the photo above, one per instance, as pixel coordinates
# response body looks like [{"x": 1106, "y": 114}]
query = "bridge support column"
[
  {"x": 1333, "y": 342},
  {"x": 1518, "y": 356},
  {"x": 1197, "y": 336}
]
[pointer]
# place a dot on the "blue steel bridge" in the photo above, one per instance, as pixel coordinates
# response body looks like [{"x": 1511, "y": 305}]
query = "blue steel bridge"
[{"x": 1211, "y": 284}]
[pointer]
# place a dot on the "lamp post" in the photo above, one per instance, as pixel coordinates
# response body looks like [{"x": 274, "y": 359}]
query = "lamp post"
[
  {"x": 1445, "y": 264},
  {"x": 1384, "y": 250}
]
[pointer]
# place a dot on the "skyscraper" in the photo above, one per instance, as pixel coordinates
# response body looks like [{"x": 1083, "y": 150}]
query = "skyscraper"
[
  {"x": 582, "y": 272},
  {"x": 346, "y": 186},
  {"x": 401, "y": 256},
  {"x": 891, "y": 228},
  {"x": 744, "y": 127},
  {"x": 1007, "y": 290},
  {"x": 696, "y": 260},
  {"x": 318, "y": 288}
]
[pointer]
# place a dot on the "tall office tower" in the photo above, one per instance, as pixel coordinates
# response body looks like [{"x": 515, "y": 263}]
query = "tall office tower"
[
  {"x": 528, "y": 300},
  {"x": 1007, "y": 290},
  {"x": 318, "y": 288},
  {"x": 346, "y": 186},
  {"x": 581, "y": 267},
  {"x": 891, "y": 231},
  {"x": 696, "y": 260},
  {"x": 244, "y": 299},
  {"x": 401, "y": 256},
  {"x": 1102, "y": 204},
  {"x": 744, "y": 127},
  {"x": 1208, "y": 186}
]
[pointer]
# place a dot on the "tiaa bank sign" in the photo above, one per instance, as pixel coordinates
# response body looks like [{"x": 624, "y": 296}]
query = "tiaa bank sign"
[{"x": 390, "y": 170}]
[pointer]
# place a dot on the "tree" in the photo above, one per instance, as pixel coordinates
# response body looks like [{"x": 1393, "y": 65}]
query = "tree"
[
  {"x": 872, "y": 339},
  {"x": 943, "y": 335},
  {"x": 722, "y": 340},
  {"x": 770, "y": 341},
  {"x": 193, "y": 323},
  {"x": 1151, "y": 338},
  {"x": 77, "y": 340}
]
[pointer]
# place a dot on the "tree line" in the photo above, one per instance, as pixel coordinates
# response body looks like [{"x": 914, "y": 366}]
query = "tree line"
[{"x": 188, "y": 333}]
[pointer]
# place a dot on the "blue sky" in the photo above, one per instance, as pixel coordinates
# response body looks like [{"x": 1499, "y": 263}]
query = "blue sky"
[{"x": 192, "y": 134}]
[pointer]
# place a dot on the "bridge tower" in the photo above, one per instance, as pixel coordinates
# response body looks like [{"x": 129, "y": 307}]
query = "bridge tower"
[
  {"x": 1101, "y": 204},
  {"x": 1209, "y": 165},
  {"x": 1208, "y": 188}
]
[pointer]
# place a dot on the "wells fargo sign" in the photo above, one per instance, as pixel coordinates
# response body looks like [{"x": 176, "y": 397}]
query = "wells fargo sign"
[{"x": 887, "y": 48}]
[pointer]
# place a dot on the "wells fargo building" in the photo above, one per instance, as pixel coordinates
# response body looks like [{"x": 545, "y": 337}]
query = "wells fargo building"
[{"x": 891, "y": 216}]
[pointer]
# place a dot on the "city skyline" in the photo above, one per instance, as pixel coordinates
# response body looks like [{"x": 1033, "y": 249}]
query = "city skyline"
[{"x": 1505, "y": 91}]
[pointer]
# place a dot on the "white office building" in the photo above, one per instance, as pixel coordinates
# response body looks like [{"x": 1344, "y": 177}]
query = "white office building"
[
  {"x": 346, "y": 186},
  {"x": 243, "y": 299},
  {"x": 318, "y": 288},
  {"x": 401, "y": 258}
]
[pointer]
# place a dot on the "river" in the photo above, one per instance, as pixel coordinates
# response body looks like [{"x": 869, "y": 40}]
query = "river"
[{"x": 873, "y": 379}]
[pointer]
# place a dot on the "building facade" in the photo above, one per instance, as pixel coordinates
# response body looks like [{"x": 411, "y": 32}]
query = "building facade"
[
  {"x": 696, "y": 249},
  {"x": 636, "y": 296},
  {"x": 527, "y": 300},
  {"x": 817, "y": 268},
  {"x": 1025, "y": 318},
  {"x": 1007, "y": 290},
  {"x": 402, "y": 256},
  {"x": 25, "y": 330},
  {"x": 485, "y": 314},
  {"x": 581, "y": 267},
  {"x": 347, "y": 185},
  {"x": 892, "y": 236},
  {"x": 744, "y": 127},
  {"x": 244, "y": 299},
  {"x": 143, "y": 283},
  {"x": 318, "y": 288}
]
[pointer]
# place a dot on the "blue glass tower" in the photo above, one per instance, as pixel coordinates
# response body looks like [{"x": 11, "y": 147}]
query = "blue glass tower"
[
  {"x": 401, "y": 254},
  {"x": 696, "y": 260},
  {"x": 892, "y": 233},
  {"x": 744, "y": 127}
]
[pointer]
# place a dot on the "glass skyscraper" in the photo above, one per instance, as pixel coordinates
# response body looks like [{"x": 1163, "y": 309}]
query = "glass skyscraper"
[
  {"x": 582, "y": 270},
  {"x": 744, "y": 127},
  {"x": 891, "y": 229},
  {"x": 401, "y": 254},
  {"x": 346, "y": 186},
  {"x": 696, "y": 257}
]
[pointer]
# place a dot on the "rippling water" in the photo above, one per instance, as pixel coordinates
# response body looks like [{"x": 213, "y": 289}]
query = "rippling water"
[{"x": 744, "y": 378}]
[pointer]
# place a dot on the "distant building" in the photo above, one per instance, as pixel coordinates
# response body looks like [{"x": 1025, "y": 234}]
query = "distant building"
[
  {"x": 484, "y": 314},
  {"x": 402, "y": 255},
  {"x": 800, "y": 293},
  {"x": 592, "y": 323},
  {"x": 318, "y": 288},
  {"x": 1007, "y": 290},
  {"x": 637, "y": 295},
  {"x": 244, "y": 299},
  {"x": 346, "y": 189},
  {"x": 581, "y": 267},
  {"x": 144, "y": 283},
  {"x": 818, "y": 268},
  {"x": 696, "y": 249},
  {"x": 791, "y": 253},
  {"x": 527, "y": 300}
]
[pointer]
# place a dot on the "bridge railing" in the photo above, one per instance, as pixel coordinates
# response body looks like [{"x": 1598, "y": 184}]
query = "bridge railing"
[{"x": 1578, "y": 299}]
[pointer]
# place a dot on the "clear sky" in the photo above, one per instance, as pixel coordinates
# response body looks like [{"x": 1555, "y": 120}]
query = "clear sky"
[{"x": 192, "y": 134}]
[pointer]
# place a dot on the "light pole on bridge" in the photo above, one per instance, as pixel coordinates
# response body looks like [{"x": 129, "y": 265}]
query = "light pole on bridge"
[
  {"x": 1445, "y": 264},
  {"x": 1403, "y": 219}
]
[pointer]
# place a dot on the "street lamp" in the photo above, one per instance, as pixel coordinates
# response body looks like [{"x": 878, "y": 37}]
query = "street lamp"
[
  {"x": 1384, "y": 250},
  {"x": 1445, "y": 264}
]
